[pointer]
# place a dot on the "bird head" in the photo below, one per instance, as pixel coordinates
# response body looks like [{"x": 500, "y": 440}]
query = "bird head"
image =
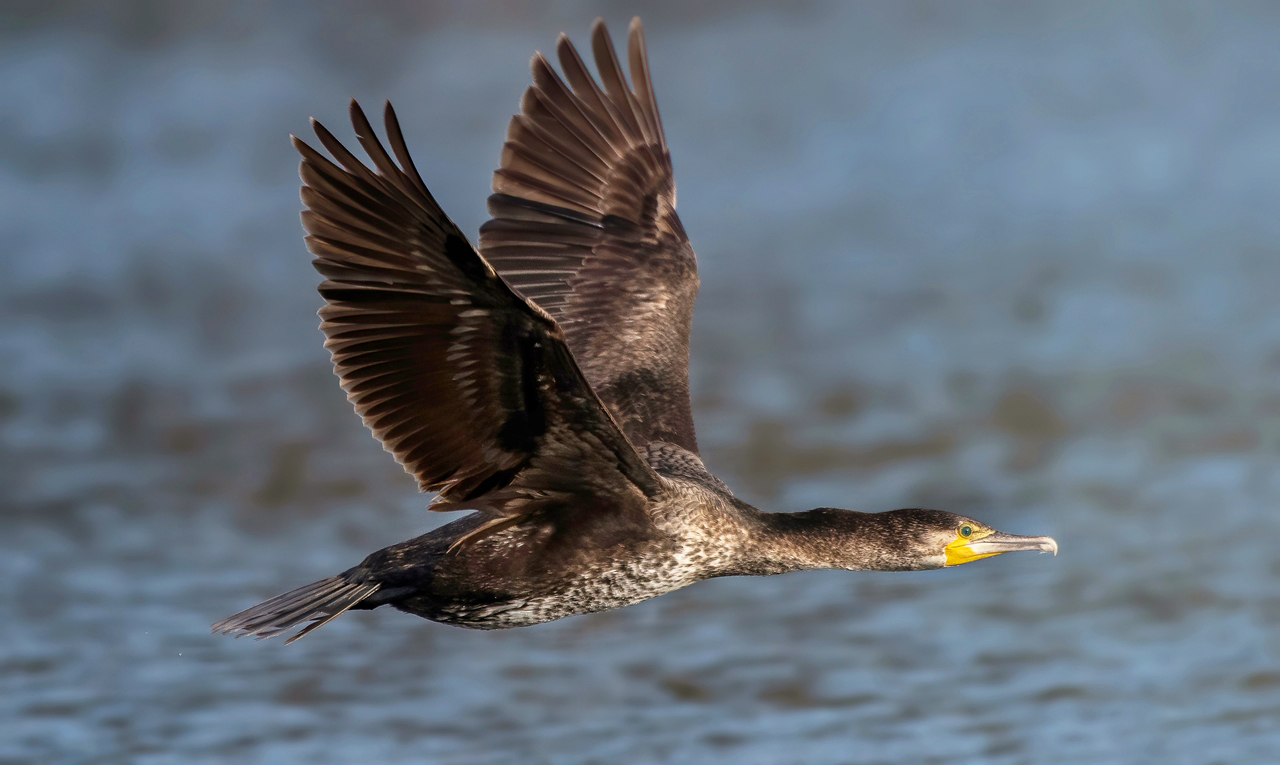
[{"x": 936, "y": 539}]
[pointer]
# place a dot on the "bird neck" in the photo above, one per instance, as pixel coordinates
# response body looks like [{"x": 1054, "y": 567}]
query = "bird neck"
[{"x": 825, "y": 538}]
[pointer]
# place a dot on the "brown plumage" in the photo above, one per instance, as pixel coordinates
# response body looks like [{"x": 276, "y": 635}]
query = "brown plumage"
[
  {"x": 585, "y": 225},
  {"x": 543, "y": 381},
  {"x": 471, "y": 387}
]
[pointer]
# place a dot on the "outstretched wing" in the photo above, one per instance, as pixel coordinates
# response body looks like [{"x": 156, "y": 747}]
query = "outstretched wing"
[
  {"x": 471, "y": 388},
  {"x": 584, "y": 224}
]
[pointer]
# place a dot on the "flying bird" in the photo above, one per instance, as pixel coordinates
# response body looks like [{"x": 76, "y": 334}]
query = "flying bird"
[{"x": 541, "y": 380}]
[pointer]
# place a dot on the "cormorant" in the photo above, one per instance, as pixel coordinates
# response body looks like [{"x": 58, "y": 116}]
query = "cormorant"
[{"x": 542, "y": 381}]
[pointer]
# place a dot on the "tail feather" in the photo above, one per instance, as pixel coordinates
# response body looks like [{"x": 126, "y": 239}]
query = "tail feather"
[{"x": 319, "y": 602}]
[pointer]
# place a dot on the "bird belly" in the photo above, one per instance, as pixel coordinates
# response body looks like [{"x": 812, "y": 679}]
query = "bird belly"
[{"x": 602, "y": 590}]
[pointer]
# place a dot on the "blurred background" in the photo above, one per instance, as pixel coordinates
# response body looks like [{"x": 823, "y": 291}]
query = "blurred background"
[{"x": 1014, "y": 259}]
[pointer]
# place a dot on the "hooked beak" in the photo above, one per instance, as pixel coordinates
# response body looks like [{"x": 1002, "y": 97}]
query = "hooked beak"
[{"x": 995, "y": 543}]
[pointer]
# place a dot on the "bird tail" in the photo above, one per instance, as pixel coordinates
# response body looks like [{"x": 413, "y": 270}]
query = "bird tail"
[{"x": 319, "y": 602}]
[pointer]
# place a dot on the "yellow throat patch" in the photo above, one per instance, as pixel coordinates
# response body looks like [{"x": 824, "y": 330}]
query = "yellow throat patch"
[{"x": 959, "y": 552}]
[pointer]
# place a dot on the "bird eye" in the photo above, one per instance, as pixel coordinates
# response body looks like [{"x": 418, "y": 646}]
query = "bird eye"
[{"x": 966, "y": 530}]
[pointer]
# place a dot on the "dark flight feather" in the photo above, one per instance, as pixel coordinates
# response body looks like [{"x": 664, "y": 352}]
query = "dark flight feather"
[
  {"x": 584, "y": 225},
  {"x": 471, "y": 387}
]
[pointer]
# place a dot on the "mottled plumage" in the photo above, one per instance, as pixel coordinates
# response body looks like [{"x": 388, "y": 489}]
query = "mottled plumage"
[{"x": 543, "y": 380}]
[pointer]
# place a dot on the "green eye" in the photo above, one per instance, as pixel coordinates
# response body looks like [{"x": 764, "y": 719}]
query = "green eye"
[{"x": 965, "y": 531}]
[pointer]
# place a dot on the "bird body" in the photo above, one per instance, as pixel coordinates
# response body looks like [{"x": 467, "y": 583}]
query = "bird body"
[{"x": 542, "y": 381}]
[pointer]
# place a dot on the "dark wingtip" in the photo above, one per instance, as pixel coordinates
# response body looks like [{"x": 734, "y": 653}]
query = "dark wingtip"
[
  {"x": 564, "y": 47},
  {"x": 358, "y": 118},
  {"x": 321, "y": 131},
  {"x": 635, "y": 41},
  {"x": 599, "y": 30}
]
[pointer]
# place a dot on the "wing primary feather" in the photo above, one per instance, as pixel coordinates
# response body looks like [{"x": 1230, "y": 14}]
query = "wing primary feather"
[
  {"x": 642, "y": 81},
  {"x": 372, "y": 146},
  {"x": 615, "y": 82},
  {"x": 598, "y": 111},
  {"x": 396, "y": 138}
]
